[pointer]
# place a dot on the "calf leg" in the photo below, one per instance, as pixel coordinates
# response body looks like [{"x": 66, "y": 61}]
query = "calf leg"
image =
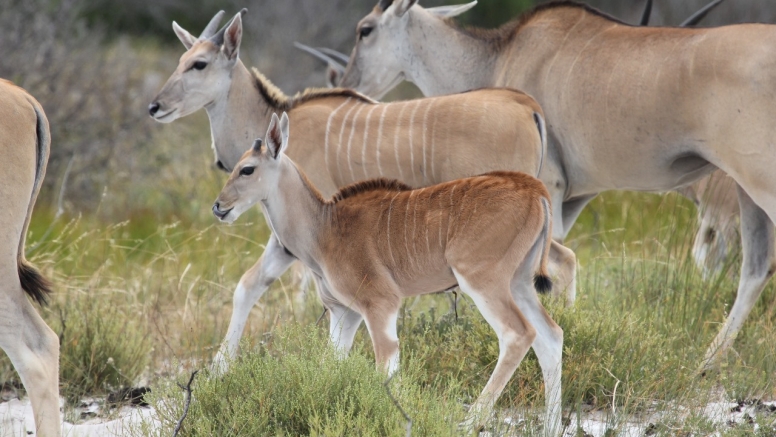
[
  {"x": 757, "y": 238},
  {"x": 34, "y": 352},
  {"x": 382, "y": 329},
  {"x": 515, "y": 335},
  {"x": 273, "y": 262},
  {"x": 548, "y": 344}
]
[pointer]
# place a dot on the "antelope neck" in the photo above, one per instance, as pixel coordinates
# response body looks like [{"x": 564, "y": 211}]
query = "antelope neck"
[
  {"x": 231, "y": 133},
  {"x": 296, "y": 212}
]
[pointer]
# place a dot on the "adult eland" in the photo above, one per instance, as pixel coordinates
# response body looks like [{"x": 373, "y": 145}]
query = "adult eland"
[
  {"x": 31, "y": 345},
  {"x": 628, "y": 108}
]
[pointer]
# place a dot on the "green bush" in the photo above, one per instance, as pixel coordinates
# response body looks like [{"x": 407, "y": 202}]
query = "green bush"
[{"x": 295, "y": 385}]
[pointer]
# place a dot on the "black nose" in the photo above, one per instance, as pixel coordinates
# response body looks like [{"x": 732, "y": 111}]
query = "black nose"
[
  {"x": 217, "y": 211},
  {"x": 153, "y": 108}
]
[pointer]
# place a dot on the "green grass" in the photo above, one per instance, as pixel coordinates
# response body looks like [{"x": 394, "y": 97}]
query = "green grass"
[
  {"x": 143, "y": 296},
  {"x": 294, "y": 384}
]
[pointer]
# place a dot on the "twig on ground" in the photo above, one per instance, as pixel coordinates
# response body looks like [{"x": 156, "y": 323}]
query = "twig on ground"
[
  {"x": 396, "y": 403},
  {"x": 614, "y": 393},
  {"x": 187, "y": 388},
  {"x": 455, "y": 304}
]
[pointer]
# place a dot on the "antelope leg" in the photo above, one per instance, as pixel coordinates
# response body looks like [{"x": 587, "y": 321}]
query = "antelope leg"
[
  {"x": 34, "y": 352},
  {"x": 757, "y": 238},
  {"x": 548, "y": 344},
  {"x": 343, "y": 325},
  {"x": 273, "y": 262},
  {"x": 563, "y": 268},
  {"x": 515, "y": 336},
  {"x": 382, "y": 329}
]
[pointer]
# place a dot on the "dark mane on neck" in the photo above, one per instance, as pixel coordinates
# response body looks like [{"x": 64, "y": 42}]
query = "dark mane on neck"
[
  {"x": 279, "y": 101},
  {"x": 501, "y": 36},
  {"x": 381, "y": 184}
]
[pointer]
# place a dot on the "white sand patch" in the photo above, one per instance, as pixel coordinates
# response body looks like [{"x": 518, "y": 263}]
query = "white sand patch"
[{"x": 16, "y": 420}]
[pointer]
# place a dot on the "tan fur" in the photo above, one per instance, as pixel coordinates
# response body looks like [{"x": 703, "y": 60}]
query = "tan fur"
[
  {"x": 31, "y": 345},
  {"x": 718, "y": 212},
  {"x": 342, "y": 137},
  {"x": 628, "y": 108},
  {"x": 378, "y": 242}
]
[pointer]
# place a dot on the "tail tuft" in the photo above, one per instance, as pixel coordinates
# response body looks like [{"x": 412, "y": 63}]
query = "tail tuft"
[
  {"x": 542, "y": 283},
  {"x": 36, "y": 286}
]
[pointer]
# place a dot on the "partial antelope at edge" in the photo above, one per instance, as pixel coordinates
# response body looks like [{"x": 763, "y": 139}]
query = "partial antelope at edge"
[{"x": 31, "y": 345}]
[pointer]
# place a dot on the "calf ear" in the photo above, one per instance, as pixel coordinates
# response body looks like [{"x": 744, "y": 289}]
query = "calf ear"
[
  {"x": 402, "y": 6},
  {"x": 277, "y": 135},
  {"x": 186, "y": 38}
]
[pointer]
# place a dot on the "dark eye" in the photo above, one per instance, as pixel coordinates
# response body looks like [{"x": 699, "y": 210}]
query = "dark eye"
[
  {"x": 364, "y": 32},
  {"x": 247, "y": 171},
  {"x": 199, "y": 65}
]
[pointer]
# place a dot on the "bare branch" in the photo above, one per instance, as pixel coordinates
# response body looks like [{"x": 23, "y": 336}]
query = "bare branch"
[
  {"x": 187, "y": 388},
  {"x": 396, "y": 403}
]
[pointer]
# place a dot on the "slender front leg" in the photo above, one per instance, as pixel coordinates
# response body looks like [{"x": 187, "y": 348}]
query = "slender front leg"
[
  {"x": 382, "y": 330},
  {"x": 33, "y": 349},
  {"x": 757, "y": 239},
  {"x": 272, "y": 263}
]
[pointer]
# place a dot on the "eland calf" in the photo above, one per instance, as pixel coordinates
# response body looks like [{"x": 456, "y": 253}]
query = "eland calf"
[
  {"x": 342, "y": 137},
  {"x": 378, "y": 241},
  {"x": 30, "y": 344}
]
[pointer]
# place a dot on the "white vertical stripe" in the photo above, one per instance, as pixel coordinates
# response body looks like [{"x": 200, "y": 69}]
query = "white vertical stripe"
[
  {"x": 450, "y": 211},
  {"x": 339, "y": 145},
  {"x": 441, "y": 214},
  {"x": 415, "y": 224},
  {"x": 425, "y": 119},
  {"x": 363, "y": 147},
  {"x": 406, "y": 217},
  {"x": 388, "y": 227},
  {"x": 397, "y": 130},
  {"x": 328, "y": 128},
  {"x": 433, "y": 142},
  {"x": 379, "y": 139},
  {"x": 412, "y": 153},
  {"x": 350, "y": 140}
]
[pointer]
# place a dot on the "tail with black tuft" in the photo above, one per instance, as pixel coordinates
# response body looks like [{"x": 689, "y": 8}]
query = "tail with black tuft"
[
  {"x": 34, "y": 284},
  {"x": 542, "y": 281},
  {"x": 543, "y": 284}
]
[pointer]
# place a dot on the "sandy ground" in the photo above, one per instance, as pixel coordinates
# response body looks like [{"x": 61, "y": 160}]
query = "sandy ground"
[{"x": 16, "y": 420}]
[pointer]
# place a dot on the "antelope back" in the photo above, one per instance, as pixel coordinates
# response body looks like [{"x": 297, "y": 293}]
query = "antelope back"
[{"x": 427, "y": 141}]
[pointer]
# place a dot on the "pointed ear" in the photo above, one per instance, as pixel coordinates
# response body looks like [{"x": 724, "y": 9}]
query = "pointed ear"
[
  {"x": 277, "y": 135},
  {"x": 402, "y": 6},
  {"x": 232, "y": 37},
  {"x": 451, "y": 11},
  {"x": 186, "y": 38}
]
